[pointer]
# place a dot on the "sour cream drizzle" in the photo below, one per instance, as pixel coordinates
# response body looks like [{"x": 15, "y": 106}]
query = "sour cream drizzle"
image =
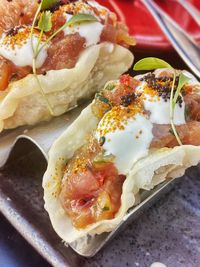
[
  {"x": 160, "y": 109},
  {"x": 160, "y": 114},
  {"x": 17, "y": 48},
  {"x": 129, "y": 139},
  {"x": 90, "y": 31},
  {"x": 128, "y": 143}
]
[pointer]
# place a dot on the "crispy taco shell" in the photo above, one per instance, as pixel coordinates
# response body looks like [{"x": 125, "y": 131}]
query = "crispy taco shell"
[
  {"x": 23, "y": 104},
  {"x": 159, "y": 165}
]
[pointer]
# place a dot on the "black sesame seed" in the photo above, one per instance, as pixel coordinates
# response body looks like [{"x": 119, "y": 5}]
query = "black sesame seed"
[
  {"x": 126, "y": 100},
  {"x": 165, "y": 87}
]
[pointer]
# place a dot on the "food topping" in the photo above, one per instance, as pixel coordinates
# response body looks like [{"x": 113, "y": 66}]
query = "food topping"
[
  {"x": 90, "y": 7},
  {"x": 155, "y": 92},
  {"x": 91, "y": 189},
  {"x": 134, "y": 117},
  {"x": 60, "y": 33},
  {"x": 127, "y": 140},
  {"x": 162, "y": 85},
  {"x": 91, "y": 32},
  {"x": 17, "y": 47},
  {"x": 164, "y": 137}
]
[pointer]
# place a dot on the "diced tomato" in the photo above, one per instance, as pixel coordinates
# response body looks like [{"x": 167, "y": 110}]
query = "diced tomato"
[
  {"x": 109, "y": 34},
  {"x": 192, "y": 102},
  {"x": 92, "y": 194},
  {"x": 64, "y": 53},
  {"x": 15, "y": 12},
  {"x": 58, "y": 20},
  {"x": 189, "y": 135},
  {"x": 19, "y": 72},
  {"x": 127, "y": 86},
  {"x": 80, "y": 184},
  {"x": 123, "y": 37},
  {"x": 5, "y": 71},
  {"x": 129, "y": 81}
]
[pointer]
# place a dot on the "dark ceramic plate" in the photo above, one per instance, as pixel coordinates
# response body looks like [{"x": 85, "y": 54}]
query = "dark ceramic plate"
[{"x": 168, "y": 232}]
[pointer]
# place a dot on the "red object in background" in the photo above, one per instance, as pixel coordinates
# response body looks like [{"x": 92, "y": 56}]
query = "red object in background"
[{"x": 143, "y": 26}]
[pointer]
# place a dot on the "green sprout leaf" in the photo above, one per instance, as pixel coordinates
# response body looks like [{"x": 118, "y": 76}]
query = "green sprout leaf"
[
  {"x": 81, "y": 18},
  {"x": 110, "y": 87},
  {"x": 183, "y": 79},
  {"x": 151, "y": 63},
  {"x": 172, "y": 108},
  {"x": 47, "y": 4},
  {"x": 45, "y": 23},
  {"x": 102, "y": 98},
  {"x": 105, "y": 208},
  {"x": 173, "y": 99}
]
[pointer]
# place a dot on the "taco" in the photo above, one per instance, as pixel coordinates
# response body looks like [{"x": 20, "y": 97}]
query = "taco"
[
  {"x": 122, "y": 143},
  {"x": 55, "y": 53}
]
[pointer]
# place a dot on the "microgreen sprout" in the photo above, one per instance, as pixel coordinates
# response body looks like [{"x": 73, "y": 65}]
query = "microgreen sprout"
[
  {"x": 151, "y": 63},
  {"x": 44, "y": 25}
]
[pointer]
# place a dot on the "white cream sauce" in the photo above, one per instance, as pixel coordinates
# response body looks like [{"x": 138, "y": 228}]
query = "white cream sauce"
[
  {"x": 131, "y": 143},
  {"x": 21, "y": 54},
  {"x": 160, "y": 109},
  {"x": 127, "y": 145},
  {"x": 91, "y": 31}
]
